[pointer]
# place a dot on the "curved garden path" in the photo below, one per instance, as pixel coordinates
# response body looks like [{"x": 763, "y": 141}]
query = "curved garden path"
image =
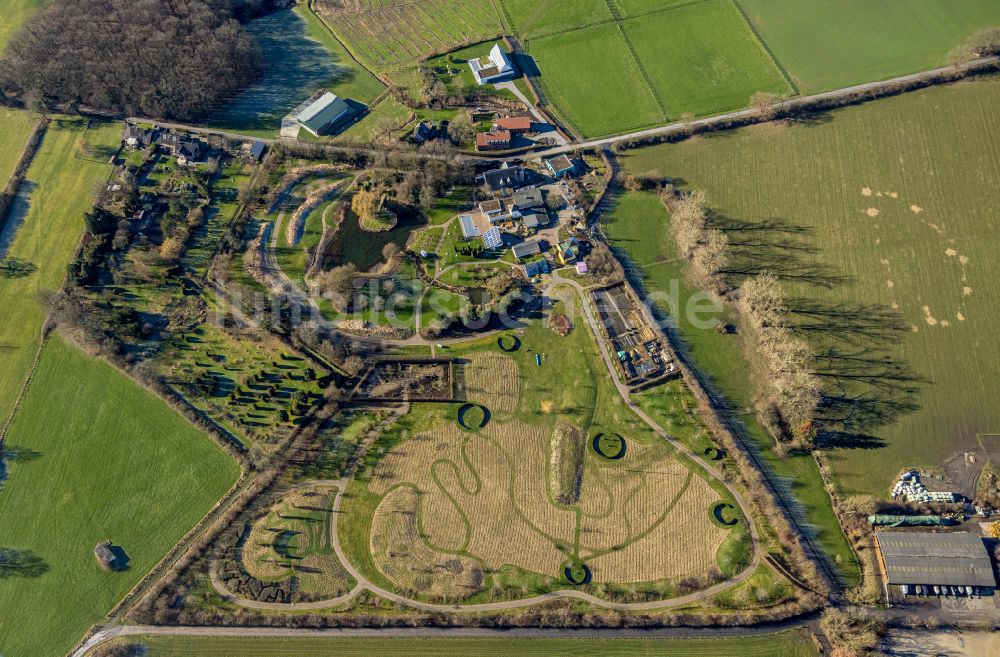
[{"x": 365, "y": 584}]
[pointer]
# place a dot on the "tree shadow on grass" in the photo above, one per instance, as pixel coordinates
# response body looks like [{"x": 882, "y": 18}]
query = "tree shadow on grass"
[{"x": 21, "y": 563}]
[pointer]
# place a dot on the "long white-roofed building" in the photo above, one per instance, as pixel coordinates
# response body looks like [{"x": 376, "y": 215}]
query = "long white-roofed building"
[{"x": 493, "y": 68}]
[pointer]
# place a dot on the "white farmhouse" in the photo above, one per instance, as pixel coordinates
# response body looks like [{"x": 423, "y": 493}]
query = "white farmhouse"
[{"x": 492, "y": 68}]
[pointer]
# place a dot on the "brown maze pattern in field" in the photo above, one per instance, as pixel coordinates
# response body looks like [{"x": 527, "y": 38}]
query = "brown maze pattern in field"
[{"x": 644, "y": 518}]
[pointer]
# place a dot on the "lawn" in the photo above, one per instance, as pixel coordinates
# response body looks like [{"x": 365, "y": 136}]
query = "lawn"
[
  {"x": 116, "y": 464},
  {"x": 828, "y": 44},
  {"x": 15, "y": 12},
  {"x": 594, "y": 81},
  {"x": 702, "y": 58},
  {"x": 300, "y": 57},
  {"x": 638, "y": 229},
  {"x": 59, "y": 188},
  {"x": 785, "y": 644},
  {"x": 17, "y": 127},
  {"x": 882, "y": 220}
]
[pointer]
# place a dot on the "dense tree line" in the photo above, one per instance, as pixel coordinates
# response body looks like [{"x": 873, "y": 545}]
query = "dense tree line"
[{"x": 162, "y": 58}]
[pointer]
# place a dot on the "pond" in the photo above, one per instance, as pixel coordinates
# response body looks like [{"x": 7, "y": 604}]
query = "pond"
[{"x": 353, "y": 244}]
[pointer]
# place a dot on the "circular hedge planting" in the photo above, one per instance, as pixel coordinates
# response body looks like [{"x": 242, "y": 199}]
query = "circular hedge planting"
[
  {"x": 577, "y": 573},
  {"x": 509, "y": 343},
  {"x": 719, "y": 515},
  {"x": 473, "y": 416},
  {"x": 714, "y": 453},
  {"x": 610, "y": 446}
]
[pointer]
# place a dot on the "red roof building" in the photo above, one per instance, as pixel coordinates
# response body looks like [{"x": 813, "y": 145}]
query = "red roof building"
[
  {"x": 515, "y": 124},
  {"x": 493, "y": 141}
]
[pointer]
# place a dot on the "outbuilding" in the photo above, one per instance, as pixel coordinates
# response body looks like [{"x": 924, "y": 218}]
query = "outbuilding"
[
  {"x": 325, "y": 114},
  {"x": 934, "y": 563}
]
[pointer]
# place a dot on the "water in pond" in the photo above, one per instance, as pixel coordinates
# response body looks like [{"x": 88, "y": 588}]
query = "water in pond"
[
  {"x": 363, "y": 248},
  {"x": 478, "y": 295}
]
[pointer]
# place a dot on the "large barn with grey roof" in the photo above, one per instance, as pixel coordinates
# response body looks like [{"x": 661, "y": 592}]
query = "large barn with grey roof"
[{"x": 937, "y": 564}]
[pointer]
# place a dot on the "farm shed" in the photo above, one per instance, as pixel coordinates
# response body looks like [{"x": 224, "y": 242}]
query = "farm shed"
[
  {"x": 953, "y": 563},
  {"x": 515, "y": 124},
  {"x": 325, "y": 114},
  {"x": 534, "y": 220},
  {"x": 491, "y": 141},
  {"x": 528, "y": 198},
  {"x": 106, "y": 556}
]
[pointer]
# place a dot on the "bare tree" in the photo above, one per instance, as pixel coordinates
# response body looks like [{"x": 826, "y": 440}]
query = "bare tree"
[{"x": 766, "y": 104}]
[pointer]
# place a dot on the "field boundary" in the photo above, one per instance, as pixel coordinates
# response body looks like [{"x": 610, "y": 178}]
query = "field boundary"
[
  {"x": 767, "y": 49},
  {"x": 8, "y": 422},
  {"x": 642, "y": 71},
  {"x": 13, "y": 187}
]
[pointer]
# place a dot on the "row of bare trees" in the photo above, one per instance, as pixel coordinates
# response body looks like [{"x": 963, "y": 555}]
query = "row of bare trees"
[
  {"x": 784, "y": 360},
  {"x": 790, "y": 391}
]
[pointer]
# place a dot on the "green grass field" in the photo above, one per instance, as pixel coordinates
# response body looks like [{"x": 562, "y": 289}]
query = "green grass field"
[
  {"x": 15, "y": 12},
  {"x": 593, "y": 81},
  {"x": 882, "y": 220},
  {"x": 621, "y": 75},
  {"x": 785, "y": 644},
  {"x": 828, "y": 44},
  {"x": 639, "y": 229},
  {"x": 17, "y": 127},
  {"x": 59, "y": 185},
  {"x": 702, "y": 58},
  {"x": 116, "y": 464}
]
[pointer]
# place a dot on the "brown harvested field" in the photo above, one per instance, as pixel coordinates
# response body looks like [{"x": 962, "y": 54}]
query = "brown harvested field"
[
  {"x": 491, "y": 379},
  {"x": 646, "y": 517},
  {"x": 402, "y": 555},
  {"x": 683, "y": 544}
]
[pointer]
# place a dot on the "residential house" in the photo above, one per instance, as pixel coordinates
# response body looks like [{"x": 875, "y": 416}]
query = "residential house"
[
  {"x": 493, "y": 68},
  {"x": 326, "y": 114},
  {"x": 493, "y": 141},
  {"x": 183, "y": 147},
  {"x": 491, "y": 208},
  {"x": 535, "y": 267},
  {"x": 560, "y": 166},
  {"x": 528, "y": 199},
  {"x": 136, "y": 137},
  {"x": 526, "y": 249}
]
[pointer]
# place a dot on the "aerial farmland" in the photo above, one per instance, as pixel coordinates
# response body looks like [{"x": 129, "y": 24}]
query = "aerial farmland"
[{"x": 498, "y": 327}]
